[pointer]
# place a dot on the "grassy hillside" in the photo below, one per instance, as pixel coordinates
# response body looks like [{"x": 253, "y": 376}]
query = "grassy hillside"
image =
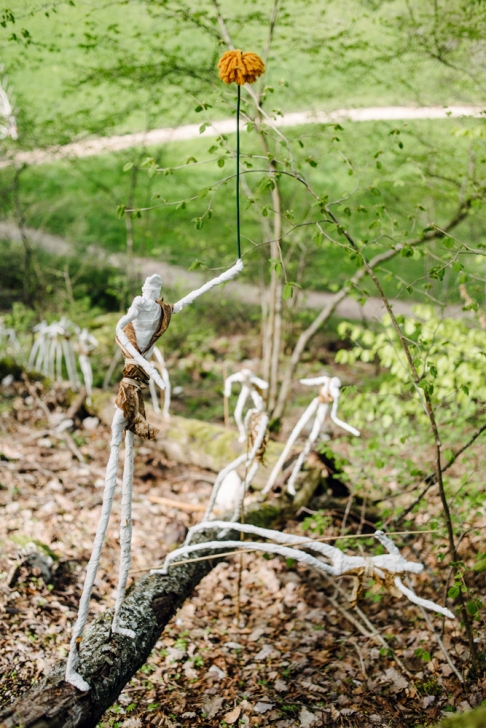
[
  {"x": 103, "y": 67},
  {"x": 394, "y": 190}
]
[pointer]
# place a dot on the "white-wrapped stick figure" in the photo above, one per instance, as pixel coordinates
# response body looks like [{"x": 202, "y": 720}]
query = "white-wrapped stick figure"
[
  {"x": 328, "y": 394},
  {"x": 136, "y": 334},
  {"x": 164, "y": 373},
  {"x": 229, "y": 490},
  {"x": 251, "y": 386},
  {"x": 86, "y": 343}
]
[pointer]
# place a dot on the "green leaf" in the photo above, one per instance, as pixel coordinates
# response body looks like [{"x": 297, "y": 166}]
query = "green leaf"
[
  {"x": 473, "y": 607},
  {"x": 195, "y": 264},
  {"x": 203, "y": 127},
  {"x": 453, "y": 592},
  {"x": 457, "y": 267},
  {"x": 288, "y": 291},
  {"x": 127, "y": 166},
  {"x": 221, "y": 161},
  {"x": 198, "y": 222},
  {"x": 275, "y": 265},
  {"x": 120, "y": 210}
]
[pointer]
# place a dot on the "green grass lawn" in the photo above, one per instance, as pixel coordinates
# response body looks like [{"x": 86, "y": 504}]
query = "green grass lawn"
[{"x": 391, "y": 185}]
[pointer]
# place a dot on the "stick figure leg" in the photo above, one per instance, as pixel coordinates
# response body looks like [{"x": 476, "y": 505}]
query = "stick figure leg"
[
  {"x": 125, "y": 534},
  {"x": 318, "y": 422},
  {"x": 72, "y": 676},
  {"x": 290, "y": 442},
  {"x": 239, "y": 412}
]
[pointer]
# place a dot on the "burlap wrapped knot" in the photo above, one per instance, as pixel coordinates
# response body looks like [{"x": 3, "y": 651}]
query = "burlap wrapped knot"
[
  {"x": 253, "y": 430},
  {"x": 130, "y": 392}
]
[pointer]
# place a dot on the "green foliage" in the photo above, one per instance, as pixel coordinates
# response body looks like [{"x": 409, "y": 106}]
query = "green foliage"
[{"x": 449, "y": 355}]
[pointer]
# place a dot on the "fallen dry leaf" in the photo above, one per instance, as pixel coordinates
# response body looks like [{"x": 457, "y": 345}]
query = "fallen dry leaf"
[{"x": 233, "y": 715}]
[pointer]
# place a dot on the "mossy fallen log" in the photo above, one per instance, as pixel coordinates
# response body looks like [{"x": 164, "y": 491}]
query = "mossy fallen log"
[
  {"x": 471, "y": 719},
  {"x": 108, "y": 661},
  {"x": 193, "y": 442}
]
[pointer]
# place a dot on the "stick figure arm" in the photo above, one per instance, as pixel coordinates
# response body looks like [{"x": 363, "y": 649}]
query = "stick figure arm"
[
  {"x": 130, "y": 316},
  {"x": 334, "y": 391},
  {"x": 229, "y": 381},
  {"x": 226, "y": 276},
  {"x": 93, "y": 342},
  {"x": 314, "y": 380},
  {"x": 261, "y": 383}
]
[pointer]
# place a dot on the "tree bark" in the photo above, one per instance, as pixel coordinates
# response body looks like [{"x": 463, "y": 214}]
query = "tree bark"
[{"x": 109, "y": 661}]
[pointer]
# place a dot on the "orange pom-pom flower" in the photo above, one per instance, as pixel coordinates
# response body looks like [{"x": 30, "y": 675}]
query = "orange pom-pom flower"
[{"x": 240, "y": 68}]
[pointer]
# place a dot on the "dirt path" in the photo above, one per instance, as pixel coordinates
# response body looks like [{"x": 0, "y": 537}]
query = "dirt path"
[
  {"x": 102, "y": 145},
  {"x": 174, "y": 276}
]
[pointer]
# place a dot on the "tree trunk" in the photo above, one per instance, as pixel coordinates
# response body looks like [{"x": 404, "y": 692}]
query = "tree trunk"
[{"x": 109, "y": 661}]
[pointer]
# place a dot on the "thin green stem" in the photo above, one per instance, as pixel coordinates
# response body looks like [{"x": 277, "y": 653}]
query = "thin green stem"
[{"x": 238, "y": 242}]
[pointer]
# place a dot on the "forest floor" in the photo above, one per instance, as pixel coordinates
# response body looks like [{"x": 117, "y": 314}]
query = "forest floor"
[{"x": 299, "y": 656}]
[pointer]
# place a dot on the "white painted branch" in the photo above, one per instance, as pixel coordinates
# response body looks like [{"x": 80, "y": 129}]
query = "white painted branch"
[
  {"x": 305, "y": 417},
  {"x": 274, "y": 548},
  {"x": 165, "y": 376},
  {"x": 425, "y": 603},
  {"x": 226, "y": 276},
  {"x": 125, "y": 534},
  {"x": 72, "y": 676},
  {"x": 341, "y": 564}
]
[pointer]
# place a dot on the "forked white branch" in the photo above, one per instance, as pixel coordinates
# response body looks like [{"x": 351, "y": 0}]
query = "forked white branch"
[{"x": 387, "y": 568}]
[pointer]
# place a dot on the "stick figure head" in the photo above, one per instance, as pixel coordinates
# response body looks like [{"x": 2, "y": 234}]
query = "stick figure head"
[{"x": 151, "y": 287}]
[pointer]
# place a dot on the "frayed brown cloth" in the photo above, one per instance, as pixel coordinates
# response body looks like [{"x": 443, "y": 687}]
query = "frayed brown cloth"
[{"x": 135, "y": 380}]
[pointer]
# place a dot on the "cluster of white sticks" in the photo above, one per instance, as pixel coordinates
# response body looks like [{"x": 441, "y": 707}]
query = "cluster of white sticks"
[{"x": 57, "y": 343}]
